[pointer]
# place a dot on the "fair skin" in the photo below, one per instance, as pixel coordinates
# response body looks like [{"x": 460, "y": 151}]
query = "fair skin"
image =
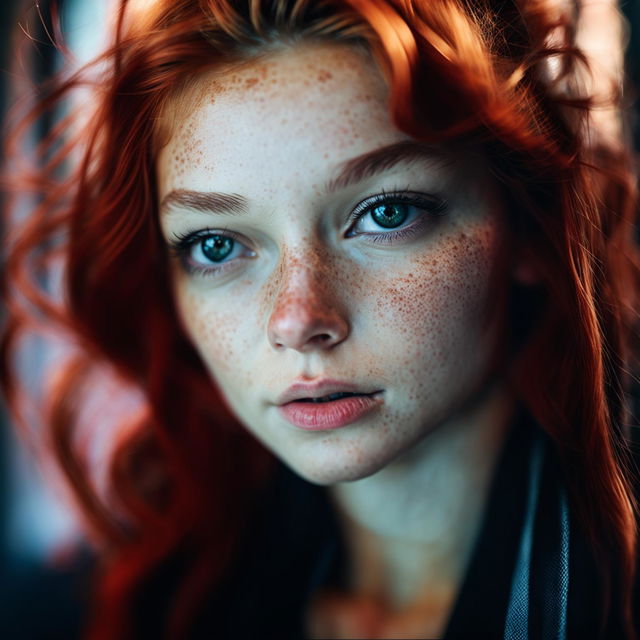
[{"x": 307, "y": 293}]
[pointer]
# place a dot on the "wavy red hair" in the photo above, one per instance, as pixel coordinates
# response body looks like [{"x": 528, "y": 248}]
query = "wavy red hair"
[{"x": 572, "y": 204}]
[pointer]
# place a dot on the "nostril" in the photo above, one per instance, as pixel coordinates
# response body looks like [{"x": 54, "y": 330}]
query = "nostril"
[{"x": 321, "y": 338}]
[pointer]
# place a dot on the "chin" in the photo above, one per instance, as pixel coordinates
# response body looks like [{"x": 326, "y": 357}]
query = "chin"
[{"x": 334, "y": 471}]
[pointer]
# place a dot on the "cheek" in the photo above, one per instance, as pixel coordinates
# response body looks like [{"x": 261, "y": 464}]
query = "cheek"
[
  {"x": 215, "y": 334},
  {"x": 438, "y": 309}
]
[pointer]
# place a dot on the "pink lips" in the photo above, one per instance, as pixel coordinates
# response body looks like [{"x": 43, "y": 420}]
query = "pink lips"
[{"x": 329, "y": 415}]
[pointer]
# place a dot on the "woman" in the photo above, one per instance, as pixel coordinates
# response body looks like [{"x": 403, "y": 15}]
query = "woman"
[{"x": 377, "y": 284}]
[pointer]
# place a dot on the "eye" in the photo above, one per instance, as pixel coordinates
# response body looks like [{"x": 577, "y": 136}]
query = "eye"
[
  {"x": 208, "y": 251},
  {"x": 389, "y": 211}
]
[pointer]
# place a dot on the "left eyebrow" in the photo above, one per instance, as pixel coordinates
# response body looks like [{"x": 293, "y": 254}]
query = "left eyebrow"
[{"x": 379, "y": 160}]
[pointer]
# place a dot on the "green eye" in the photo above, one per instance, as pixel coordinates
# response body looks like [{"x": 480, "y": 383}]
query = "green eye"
[
  {"x": 208, "y": 251},
  {"x": 390, "y": 215},
  {"x": 216, "y": 248},
  {"x": 394, "y": 211}
]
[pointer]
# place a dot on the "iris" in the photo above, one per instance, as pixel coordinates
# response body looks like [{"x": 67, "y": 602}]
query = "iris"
[
  {"x": 390, "y": 215},
  {"x": 217, "y": 248}
]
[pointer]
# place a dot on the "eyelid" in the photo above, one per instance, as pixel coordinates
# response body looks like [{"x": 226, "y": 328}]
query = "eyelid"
[{"x": 187, "y": 238}]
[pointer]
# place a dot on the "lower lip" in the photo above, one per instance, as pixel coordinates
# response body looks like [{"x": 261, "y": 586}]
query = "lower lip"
[{"x": 329, "y": 415}]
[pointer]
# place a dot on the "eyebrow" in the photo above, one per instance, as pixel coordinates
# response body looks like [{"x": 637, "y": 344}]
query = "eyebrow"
[
  {"x": 379, "y": 160},
  {"x": 205, "y": 202},
  {"x": 349, "y": 172}
]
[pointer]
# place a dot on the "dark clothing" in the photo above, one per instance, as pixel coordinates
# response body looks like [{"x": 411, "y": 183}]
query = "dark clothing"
[{"x": 531, "y": 574}]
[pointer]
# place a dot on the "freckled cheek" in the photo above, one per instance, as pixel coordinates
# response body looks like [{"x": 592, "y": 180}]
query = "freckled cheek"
[
  {"x": 217, "y": 336},
  {"x": 435, "y": 311}
]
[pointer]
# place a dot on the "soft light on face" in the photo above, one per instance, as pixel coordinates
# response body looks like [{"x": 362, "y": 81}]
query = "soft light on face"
[{"x": 276, "y": 282}]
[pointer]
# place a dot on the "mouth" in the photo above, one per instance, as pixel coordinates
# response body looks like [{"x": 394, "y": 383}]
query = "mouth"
[
  {"x": 323, "y": 391},
  {"x": 332, "y": 397},
  {"x": 331, "y": 411}
]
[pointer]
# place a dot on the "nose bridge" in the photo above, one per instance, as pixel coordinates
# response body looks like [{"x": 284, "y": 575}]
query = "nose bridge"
[
  {"x": 305, "y": 310},
  {"x": 303, "y": 273},
  {"x": 303, "y": 285}
]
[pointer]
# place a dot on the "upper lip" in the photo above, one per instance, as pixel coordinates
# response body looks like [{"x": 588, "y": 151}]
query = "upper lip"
[{"x": 318, "y": 389}]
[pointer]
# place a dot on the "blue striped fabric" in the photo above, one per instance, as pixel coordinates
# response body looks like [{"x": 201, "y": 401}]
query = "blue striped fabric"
[{"x": 556, "y": 572}]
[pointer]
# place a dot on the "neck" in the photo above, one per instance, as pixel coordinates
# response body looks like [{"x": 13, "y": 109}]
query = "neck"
[{"x": 410, "y": 527}]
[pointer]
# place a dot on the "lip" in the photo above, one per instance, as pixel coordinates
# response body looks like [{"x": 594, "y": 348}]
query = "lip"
[
  {"x": 329, "y": 415},
  {"x": 320, "y": 388}
]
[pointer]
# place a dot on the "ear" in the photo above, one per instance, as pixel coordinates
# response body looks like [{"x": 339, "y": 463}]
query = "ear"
[{"x": 524, "y": 270}]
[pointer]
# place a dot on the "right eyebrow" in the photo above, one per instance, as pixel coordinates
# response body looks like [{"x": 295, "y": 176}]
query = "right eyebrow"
[{"x": 205, "y": 202}]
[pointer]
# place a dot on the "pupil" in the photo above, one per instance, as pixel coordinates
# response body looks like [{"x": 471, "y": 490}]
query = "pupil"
[
  {"x": 390, "y": 215},
  {"x": 217, "y": 248}
]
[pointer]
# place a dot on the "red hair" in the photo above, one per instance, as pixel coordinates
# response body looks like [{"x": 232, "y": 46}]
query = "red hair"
[{"x": 571, "y": 204}]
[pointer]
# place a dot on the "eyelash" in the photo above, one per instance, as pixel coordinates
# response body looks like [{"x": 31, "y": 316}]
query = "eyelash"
[{"x": 180, "y": 247}]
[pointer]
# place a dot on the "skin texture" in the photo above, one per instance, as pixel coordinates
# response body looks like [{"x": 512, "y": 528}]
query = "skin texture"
[{"x": 309, "y": 294}]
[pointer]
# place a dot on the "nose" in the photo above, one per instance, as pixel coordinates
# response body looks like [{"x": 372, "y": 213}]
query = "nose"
[{"x": 305, "y": 315}]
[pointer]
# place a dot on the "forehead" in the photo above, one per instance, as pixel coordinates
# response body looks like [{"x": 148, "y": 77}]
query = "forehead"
[{"x": 297, "y": 110}]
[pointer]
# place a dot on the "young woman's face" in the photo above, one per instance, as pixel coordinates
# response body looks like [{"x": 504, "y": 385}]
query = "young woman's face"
[{"x": 313, "y": 240}]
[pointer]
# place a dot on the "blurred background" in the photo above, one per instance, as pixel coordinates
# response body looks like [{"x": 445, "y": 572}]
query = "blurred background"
[{"x": 44, "y": 562}]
